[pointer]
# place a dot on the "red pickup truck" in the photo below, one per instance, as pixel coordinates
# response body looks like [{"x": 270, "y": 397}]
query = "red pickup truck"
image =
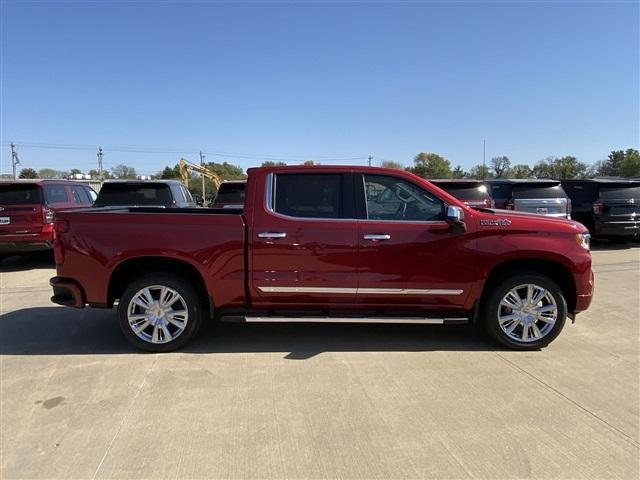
[{"x": 326, "y": 244}]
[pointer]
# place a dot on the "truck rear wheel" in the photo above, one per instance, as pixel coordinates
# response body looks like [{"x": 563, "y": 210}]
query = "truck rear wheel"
[
  {"x": 525, "y": 311},
  {"x": 159, "y": 312}
]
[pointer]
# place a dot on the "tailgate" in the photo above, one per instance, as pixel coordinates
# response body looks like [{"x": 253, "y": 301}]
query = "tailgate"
[
  {"x": 20, "y": 208},
  {"x": 542, "y": 206},
  {"x": 17, "y": 219}
]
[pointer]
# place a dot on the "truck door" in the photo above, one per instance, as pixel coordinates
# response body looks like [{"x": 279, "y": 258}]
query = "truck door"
[
  {"x": 408, "y": 255},
  {"x": 303, "y": 245}
]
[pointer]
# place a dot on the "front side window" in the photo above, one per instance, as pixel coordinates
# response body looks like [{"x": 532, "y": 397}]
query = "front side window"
[
  {"x": 391, "y": 198},
  {"x": 316, "y": 195}
]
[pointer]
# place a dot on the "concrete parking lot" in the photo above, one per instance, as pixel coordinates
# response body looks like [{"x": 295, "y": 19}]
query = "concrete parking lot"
[{"x": 318, "y": 401}]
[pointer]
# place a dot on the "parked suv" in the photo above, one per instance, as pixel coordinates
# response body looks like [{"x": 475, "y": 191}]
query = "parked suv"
[
  {"x": 142, "y": 193},
  {"x": 544, "y": 197},
  {"x": 27, "y": 209},
  {"x": 230, "y": 195},
  {"x": 472, "y": 192},
  {"x": 609, "y": 208}
]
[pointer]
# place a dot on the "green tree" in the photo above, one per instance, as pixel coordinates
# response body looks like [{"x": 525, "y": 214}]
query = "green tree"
[
  {"x": 500, "y": 166},
  {"x": 391, "y": 164},
  {"x": 631, "y": 165},
  {"x": 124, "y": 172},
  {"x": 75, "y": 171},
  {"x": 430, "y": 165},
  {"x": 51, "y": 173},
  {"x": 270, "y": 163},
  {"x": 458, "y": 172},
  {"x": 227, "y": 171},
  {"x": 309, "y": 163},
  {"x": 28, "y": 173},
  {"x": 480, "y": 172},
  {"x": 560, "y": 168},
  {"x": 520, "y": 171},
  {"x": 170, "y": 173}
]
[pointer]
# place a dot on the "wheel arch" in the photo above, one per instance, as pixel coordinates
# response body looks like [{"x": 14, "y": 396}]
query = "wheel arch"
[
  {"x": 136, "y": 267},
  {"x": 556, "y": 271}
]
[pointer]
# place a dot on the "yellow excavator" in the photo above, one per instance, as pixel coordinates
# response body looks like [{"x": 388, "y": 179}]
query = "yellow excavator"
[{"x": 186, "y": 166}]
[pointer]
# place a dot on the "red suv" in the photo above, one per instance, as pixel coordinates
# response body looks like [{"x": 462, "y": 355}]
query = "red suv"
[{"x": 27, "y": 209}]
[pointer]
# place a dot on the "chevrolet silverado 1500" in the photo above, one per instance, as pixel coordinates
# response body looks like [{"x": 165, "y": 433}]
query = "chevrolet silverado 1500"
[{"x": 326, "y": 244}]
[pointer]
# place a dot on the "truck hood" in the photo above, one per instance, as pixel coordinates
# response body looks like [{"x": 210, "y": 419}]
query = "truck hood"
[{"x": 510, "y": 219}]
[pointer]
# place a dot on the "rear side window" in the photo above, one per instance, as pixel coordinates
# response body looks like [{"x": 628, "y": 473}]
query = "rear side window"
[
  {"x": 538, "y": 192},
  {"x": 55, "y": 194},
  {"x": 13, "y": 194},
  {"x": 187, "y": 194},
  {"x": 501, "y": 191},
  {"x": 231, "y": 193},
  {"x": 125, "y": 194},
  {"x": 620, "y": 193},
  {"x": 309, "y": 195}
]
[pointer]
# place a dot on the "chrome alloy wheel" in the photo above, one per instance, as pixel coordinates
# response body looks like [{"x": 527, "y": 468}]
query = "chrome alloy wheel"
[
  {"x": 157, "y": 314},
  {"x": 527, "y": 313}
]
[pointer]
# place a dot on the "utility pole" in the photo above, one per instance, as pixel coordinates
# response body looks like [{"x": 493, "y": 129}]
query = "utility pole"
[
  {"x": 204, "y": 198},
  {"x": 99, "y": 154},
  {"x": 484, "y": 162},
  {"x": 14, "y": 159},
  {"x": 370, "y": 158}
]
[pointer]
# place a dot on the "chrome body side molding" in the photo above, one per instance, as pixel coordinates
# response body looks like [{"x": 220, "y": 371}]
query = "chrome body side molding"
[{"x": 363, "y": 291}]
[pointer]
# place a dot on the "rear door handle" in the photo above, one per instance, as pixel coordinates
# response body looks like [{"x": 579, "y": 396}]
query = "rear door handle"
[
  {"x": 272, "y": 235},
  {"x": 377, "y": 236}
]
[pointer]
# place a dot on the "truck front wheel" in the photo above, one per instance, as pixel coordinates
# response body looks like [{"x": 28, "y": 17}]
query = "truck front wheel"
[
  {"x": 159, "y": 312},
  {"x": 525, "y": 311}
]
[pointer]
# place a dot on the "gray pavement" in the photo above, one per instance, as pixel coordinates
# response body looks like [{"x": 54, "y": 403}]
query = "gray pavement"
[{"x": 318, "y": 401}]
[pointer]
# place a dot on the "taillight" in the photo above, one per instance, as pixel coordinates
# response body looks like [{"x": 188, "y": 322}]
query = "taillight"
[
  {"x": 47, "y": 215},
  {"x": 598, "y": 207},
  {"x": 510, "y": 205},
  {"x": 60, "y": 226}
]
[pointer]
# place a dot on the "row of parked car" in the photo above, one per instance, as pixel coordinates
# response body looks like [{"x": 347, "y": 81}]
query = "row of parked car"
[{"x": 609, "y": 208}]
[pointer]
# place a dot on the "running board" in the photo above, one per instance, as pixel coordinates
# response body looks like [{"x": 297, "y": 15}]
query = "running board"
[{"x": 404, "y": 320}]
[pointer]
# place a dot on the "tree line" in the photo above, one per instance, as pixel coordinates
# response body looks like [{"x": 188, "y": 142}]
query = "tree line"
[{"x": 619, "y": 163}]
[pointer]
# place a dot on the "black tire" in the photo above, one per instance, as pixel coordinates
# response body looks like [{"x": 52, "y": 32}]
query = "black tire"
[
  {"x": 191, "y": 301},
  {"x": 500, "y": 289}
]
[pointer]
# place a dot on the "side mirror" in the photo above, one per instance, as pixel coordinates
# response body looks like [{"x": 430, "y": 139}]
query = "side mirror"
[{"x": 455, "y": 218}]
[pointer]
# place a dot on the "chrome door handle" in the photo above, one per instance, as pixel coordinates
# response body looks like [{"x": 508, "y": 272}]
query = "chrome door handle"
[
  {"x": 272, "y": 235},
  {"x": 377, "y": 236}
]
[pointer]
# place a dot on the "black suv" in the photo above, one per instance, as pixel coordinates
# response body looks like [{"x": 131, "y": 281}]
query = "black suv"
[
  {"x": 609, "y": 208},
  {"x": 544, "y": 197},
  {"x": 144, "y": 193}
]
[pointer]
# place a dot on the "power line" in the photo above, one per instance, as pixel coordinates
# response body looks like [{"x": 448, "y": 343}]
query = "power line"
[{"x": 236, "y": 155}]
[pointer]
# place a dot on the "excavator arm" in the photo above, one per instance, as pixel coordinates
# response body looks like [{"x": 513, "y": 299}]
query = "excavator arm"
[{"x": 186, "y": 166}]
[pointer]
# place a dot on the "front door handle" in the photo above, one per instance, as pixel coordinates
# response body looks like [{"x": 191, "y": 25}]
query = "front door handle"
[
  {"x": 272, "y": 235},
  {"x": 377, "y": 236}
]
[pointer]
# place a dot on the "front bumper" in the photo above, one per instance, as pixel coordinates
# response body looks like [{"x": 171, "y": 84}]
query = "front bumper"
[
  {"x": 583, "y": 300},
  {"x": 67, "y": 292}
]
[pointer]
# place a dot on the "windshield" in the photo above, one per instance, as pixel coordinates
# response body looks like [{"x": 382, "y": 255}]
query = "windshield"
[
  {"x": 13, "y": 194},
  {"x": 113, "y": 194}
]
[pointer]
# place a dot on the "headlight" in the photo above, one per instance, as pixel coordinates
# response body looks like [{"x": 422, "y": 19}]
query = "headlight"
[{"x": 584, "y": 240}]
